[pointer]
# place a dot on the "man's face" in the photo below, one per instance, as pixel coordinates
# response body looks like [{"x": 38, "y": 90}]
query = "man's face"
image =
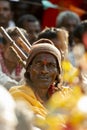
[
  {"x": 9, "y": 55},
  {"x": 69, "y": 24},
  {"x": 43, "y": 70},
  {"x": 33, "y": 28},
  {"x": 5, "y": 13}
]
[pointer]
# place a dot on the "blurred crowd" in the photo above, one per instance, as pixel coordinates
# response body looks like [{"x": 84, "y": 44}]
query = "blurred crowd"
[{"x": 43, "y": 68}]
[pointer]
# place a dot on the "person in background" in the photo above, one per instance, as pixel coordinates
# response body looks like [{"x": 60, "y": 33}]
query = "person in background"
[
  {"x": 6, "y": 17},
  {"x": 6, "y": 14},
  {"x": 80, "y": 48},
  {"x": 68, "y": 20},
  {"x": 31, "y": 24},
  {"x": 9, "y": 63}
]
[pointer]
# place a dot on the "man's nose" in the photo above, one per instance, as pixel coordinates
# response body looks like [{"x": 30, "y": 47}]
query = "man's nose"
[{"x": 45, "y": 69}]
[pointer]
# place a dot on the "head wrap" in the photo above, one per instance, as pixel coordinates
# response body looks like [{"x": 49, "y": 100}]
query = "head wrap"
[{"x": 41, "y": 48}]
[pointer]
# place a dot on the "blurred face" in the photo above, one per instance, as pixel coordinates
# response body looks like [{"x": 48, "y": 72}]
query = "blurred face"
[
  {"x": 9, "y": 55},
  {"x": 43, "y": 70},
  {"x": 33, "y": 28},
  {"x": 5, "y": 13},
  {"x": 69, "y": 24}
]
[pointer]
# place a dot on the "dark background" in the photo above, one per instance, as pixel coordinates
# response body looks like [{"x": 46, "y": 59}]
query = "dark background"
[{"x": 46, "y": 17}]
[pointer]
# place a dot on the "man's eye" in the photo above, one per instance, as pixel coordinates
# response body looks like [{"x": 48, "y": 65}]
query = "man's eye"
[
  {"x": 6, "y": 9},
  {"x": 52, "y": 65},
  {"x": 38, "y": 64}
]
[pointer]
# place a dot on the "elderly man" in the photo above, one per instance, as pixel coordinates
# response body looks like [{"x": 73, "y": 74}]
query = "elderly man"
[{"x": 43, "y": 70}]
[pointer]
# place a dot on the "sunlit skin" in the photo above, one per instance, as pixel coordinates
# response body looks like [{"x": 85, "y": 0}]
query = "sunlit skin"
[{"x": 43, "y": 73}]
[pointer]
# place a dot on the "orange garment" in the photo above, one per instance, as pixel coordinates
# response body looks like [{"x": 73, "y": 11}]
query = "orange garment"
[{"x": 26, "y": 94}]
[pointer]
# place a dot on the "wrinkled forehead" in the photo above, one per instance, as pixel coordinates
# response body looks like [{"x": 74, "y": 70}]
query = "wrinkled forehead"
[{"x": 44, "y": 57}]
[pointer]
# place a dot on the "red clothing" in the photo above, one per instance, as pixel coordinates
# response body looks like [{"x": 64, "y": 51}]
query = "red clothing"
[{"x": 49, "y": 15}]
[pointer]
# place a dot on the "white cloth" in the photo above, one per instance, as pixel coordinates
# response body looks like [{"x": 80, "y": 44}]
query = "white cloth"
[
  {"x": 6, "y": 81},
  {"x": 11, "y": 23}
]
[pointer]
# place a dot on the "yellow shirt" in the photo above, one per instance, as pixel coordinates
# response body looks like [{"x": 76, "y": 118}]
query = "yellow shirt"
[{"x": 26, "y": 94}]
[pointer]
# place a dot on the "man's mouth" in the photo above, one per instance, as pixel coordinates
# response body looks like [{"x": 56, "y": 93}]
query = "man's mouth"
[{"x": 44, "y": 77}]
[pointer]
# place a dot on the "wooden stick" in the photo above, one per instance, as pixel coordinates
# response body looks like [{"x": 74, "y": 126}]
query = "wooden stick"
[
  {"x": 9, "y": 39},
  {"x": 20, "y": 52},
  {"x": 20, "y": 41},
  {"x": 21, "y": 35},
  {"x": 18, "y": 57},
  {"x": 5, "y": 34}
]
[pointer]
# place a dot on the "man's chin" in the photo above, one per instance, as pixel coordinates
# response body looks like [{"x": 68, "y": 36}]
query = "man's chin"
[{"x": 44, "y": 84}]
